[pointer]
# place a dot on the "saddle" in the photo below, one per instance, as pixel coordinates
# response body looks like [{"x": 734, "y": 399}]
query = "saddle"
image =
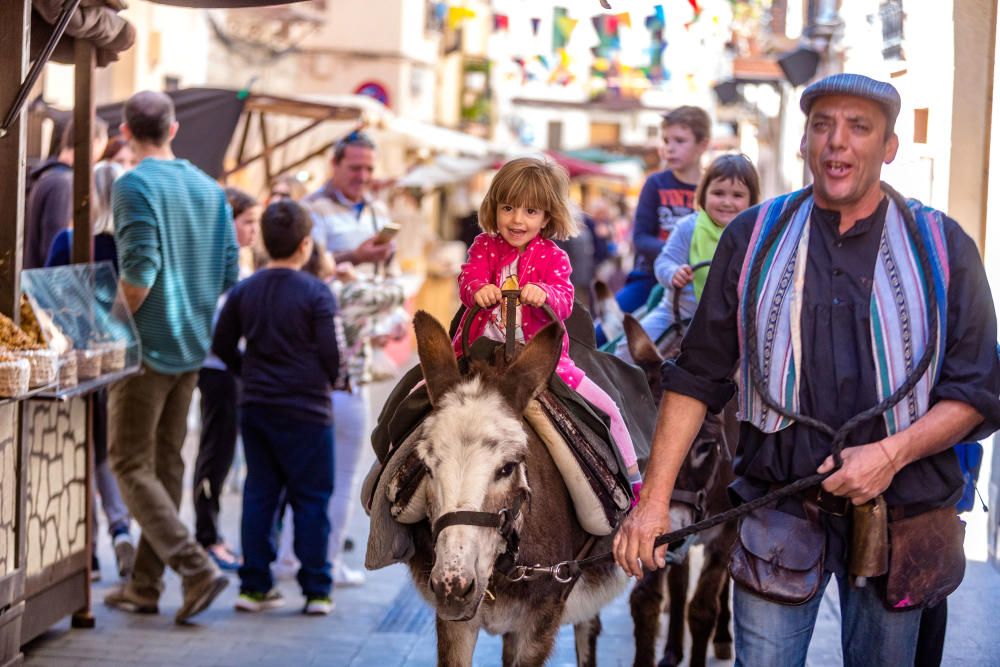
[{"x": 575, "y": 432}]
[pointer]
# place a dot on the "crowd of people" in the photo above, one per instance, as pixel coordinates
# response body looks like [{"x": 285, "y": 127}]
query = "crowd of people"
[{"x": 817, "y": 285}]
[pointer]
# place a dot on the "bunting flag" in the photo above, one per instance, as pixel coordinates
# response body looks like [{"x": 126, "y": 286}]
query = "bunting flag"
[
  {"x": 456, "y": 15},
  {"x": 624, "y": 19},
  {"x": 543, "y": 60},
  {"x": 657, "y": 20},
  {"x": 535, "y": 22},
  {"x": 564, "y": 58},
  {"x": 697, "y": 14},
  {"x": 562, "y": 27},
  {"x": 501, "y": 22}
]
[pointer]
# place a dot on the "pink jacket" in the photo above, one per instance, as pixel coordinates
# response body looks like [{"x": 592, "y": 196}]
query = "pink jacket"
[{"x": 543, "y": 263}]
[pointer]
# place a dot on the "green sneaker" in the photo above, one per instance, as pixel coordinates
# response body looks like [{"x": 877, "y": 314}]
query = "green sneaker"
[
  {"x": 253, "y": 601},
  {"x": 318, "y": 606}
]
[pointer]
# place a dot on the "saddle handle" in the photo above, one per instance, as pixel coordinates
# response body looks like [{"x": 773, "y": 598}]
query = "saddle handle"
[
  {"x": 510, "y": 296},
  {"x": 677, "y": 290}
]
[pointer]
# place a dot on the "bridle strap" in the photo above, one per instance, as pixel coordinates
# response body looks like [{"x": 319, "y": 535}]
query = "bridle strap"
[{"x": 503, "y": 520}]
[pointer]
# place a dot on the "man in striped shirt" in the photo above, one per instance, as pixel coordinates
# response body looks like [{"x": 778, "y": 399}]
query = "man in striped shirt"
[{"x": 177, "y": 253}]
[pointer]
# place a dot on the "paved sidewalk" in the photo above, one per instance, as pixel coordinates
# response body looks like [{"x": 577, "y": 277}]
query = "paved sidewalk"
[{"x": 385, "y": 624}]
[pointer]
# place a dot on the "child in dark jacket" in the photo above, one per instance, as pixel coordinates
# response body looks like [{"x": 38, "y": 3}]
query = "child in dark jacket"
[{"x": 290, "y": 363}]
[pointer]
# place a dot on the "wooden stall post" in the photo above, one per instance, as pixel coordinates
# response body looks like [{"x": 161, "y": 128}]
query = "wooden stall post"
[
  {"x": 14, "y": 31},
  {"x": 83, "y": 252}
]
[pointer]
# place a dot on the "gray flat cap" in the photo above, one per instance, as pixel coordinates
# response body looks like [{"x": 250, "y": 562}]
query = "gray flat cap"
[{"x": 855, "y": 85}]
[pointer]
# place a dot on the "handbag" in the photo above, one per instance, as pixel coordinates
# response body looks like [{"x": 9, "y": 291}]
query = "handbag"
[
  {"x": 926, "y": 559},
  {"x": 779, "y": 556}
]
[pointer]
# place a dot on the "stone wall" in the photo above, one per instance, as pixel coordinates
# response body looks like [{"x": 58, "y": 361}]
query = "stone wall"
[{"x": 8, "y": 488}]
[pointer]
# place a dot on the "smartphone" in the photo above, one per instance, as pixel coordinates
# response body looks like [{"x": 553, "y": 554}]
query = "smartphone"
[{"x": 387, "y": 233}]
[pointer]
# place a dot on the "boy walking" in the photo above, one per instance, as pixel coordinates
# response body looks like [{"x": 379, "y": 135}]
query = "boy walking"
[
  {"x": 291, "y": 361},
  {"x": 666, "y": 197}
]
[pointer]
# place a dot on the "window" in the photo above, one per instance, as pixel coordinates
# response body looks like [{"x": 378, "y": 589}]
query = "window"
[
  {"x": 555, "y": 135},
  {"x": 920, "y": 118},
  {"x": 605, "y": 134}
]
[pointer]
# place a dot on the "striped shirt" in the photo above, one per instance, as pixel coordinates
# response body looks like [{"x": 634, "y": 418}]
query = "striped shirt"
[{"x": 175, "y": 236}]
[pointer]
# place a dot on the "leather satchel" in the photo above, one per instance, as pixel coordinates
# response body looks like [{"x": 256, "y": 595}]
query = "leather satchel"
[
  {"x": 779, "y": 556},
  {"x": 926, "y": 559}
]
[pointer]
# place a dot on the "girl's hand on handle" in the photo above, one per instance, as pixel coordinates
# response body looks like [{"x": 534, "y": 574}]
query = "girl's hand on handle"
[
  {"x": 682, "y": 277},
  {"x": 532, "y": 295},
  {"x": 488, "y": 296}
]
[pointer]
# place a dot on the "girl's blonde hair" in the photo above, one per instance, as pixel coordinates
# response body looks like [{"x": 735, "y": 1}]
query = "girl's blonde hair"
[{"x": 535, "y": 183}]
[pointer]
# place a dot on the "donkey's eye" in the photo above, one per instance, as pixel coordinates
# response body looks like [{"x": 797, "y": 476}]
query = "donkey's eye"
[{"x": 506, "y": 470}]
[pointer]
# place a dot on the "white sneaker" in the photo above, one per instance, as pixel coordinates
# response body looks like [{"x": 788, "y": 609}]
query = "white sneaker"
[
  {"x": 344, "y": 576},
  {"x": 254, "y": 602},
  {"x": 318, "y": 607}
]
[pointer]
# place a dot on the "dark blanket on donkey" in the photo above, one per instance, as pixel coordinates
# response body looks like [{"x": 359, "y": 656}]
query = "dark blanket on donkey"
[{"x": 625, "y": 384}]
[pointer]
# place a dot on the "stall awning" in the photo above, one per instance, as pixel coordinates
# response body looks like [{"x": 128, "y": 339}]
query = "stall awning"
[
  {"x": 207, "y": 118},
  {"x": 443, "y": 170},
  {"x": 97, "y": 22},
  {"x": 578, "y": 168}
]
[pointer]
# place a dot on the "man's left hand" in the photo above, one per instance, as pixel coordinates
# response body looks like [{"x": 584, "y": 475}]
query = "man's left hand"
[{"x": 866, "y": 473}]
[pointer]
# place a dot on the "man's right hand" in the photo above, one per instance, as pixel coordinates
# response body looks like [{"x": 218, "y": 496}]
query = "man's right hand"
[
  {"x": 633, "y": 544},
  {"x": 371, "y": 251}
]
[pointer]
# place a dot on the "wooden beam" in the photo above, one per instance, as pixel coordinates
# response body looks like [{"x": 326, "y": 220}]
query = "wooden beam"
[
  {"x": 267, "y": 149},
  {"x": 316, "y": 153},
  {"x": 267, "y": 152},
  {"x": 243, "y": 143},
  {"x": 14, "y": 30},
  {"x": 83, "y": 151}
]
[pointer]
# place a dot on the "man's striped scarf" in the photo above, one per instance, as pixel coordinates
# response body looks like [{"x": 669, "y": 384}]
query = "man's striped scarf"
[{"x": 899, "y": 308}]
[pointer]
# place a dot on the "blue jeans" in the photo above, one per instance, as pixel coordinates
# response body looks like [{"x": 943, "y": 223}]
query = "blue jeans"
[
  {"x": 769, "y": 634},
  {"x": 286, "y": 454},
  {"x": 633, "y": 295}
]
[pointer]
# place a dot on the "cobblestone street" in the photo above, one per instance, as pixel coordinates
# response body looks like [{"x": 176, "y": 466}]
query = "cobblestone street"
[{"x": 385, "y": 624}]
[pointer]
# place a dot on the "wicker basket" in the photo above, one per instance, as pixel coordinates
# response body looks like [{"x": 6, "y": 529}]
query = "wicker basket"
[
  {"x": 14, "y": 375},
  {"x": 113, "y": 358},
  {"x": 88, "y": 364},
  {"x": 67, "y": 370},
  {"x": 44, "y": 366}
]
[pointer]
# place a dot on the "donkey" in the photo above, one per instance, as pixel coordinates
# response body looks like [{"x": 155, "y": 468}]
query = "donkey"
[
  {"x": 708, "y": 467},
  {"x": 482, "y": 460}
]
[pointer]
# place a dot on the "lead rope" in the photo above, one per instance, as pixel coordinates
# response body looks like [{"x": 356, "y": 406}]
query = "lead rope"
[{"x": 839, "y": 436}]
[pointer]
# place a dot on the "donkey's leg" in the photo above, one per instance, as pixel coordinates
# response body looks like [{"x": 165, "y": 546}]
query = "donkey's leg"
[
  {"x": 723, "y": 639},
  {"x": 531, "y": 646},
  {"x": 646, "y": 603},
  {"x": 585, "y": 636},
  {"x": 677, "y": 584},
  {"x": 703, "y": 611},
  {"x": 456, "y": 640}
]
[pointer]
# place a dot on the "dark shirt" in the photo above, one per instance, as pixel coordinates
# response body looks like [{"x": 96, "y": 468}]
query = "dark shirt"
[
  {"x": 663, "y": 201},
  {"x": 61, "y": 252},
  {"x": 838, "y": 369},
  {"x": 49, "y": 210},
  {"x": 292, "y": 357}
]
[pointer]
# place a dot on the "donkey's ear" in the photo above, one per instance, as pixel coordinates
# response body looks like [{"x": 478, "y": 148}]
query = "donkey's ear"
[
  {"x": 530, "y": 372},
  {"x": 640, "y": 345},
  {"x": 437, "y": 358}
]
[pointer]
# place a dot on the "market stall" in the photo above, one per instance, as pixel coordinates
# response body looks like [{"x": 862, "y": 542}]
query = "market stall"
[{"x": 64, "y": 332}]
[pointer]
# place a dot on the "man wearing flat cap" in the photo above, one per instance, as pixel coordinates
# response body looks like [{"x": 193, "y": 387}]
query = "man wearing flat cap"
[{"x": 842, "y": 303}]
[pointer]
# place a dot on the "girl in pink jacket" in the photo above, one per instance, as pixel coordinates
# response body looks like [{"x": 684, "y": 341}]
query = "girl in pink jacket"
[{"x": 525, "y": 207}]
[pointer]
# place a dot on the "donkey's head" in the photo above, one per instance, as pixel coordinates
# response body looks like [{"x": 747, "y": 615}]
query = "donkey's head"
[
  {"x": 709, "y": 451},
  {"x": 474, "y": 447}
]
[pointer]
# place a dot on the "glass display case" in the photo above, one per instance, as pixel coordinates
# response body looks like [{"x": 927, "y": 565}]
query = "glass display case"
[{"x": 83, "y": 332}]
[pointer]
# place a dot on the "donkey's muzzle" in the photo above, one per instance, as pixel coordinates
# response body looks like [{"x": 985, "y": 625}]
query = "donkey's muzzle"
[{"x": 455, "y": 594}]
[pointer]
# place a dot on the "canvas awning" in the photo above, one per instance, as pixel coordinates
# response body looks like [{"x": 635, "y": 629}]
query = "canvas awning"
[{"x": 96, "y": 21}]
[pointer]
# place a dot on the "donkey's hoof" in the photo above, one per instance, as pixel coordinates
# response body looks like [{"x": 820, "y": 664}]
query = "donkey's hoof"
[
  {"x": 723, "y": 650},
  {"x": 670, "y": 659}
]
